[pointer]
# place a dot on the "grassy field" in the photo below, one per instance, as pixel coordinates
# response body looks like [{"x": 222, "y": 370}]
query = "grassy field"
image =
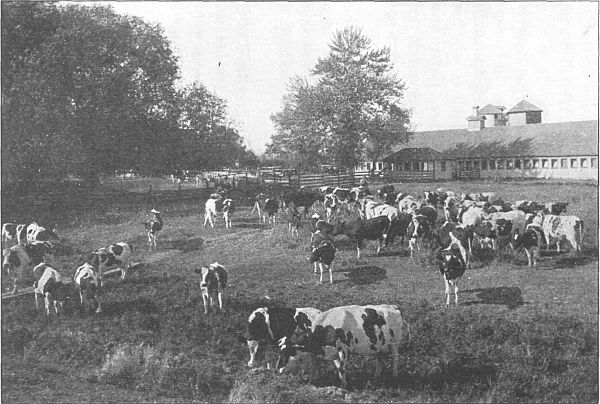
[{"x": 518, "y": 334}]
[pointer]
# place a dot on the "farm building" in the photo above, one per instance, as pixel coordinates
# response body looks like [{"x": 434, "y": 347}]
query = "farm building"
[{"x": 518, "y": 145}]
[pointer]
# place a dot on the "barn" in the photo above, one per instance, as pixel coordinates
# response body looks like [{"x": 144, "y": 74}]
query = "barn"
[{"x": 496, "y": 145}]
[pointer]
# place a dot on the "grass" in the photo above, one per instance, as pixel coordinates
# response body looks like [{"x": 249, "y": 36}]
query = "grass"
[{"x": 518, "y": 335}]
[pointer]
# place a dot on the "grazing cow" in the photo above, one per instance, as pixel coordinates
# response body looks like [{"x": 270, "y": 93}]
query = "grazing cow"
[
  {"x": 528, "y": 206},
  {"x": 300, "y": 198},
  {"x": 211, "y": 207},
  {"x": 115, "y": 256},
  {"x": 323, "y": 253},
  {"x": 16, "y": 232},
  {"x": 153, "y": 226},
  {"x": 228, "y": 210},
  {"x": 385, "y": 191},
  {"x": 36, "y": 232},
  {"x": 361, "y": 330},
  {"x": 214, "y": 280},
  {"x": 17, "y": 258},
  {"x": 389, "y": 211},
  {"x": 453, "y": 235},
  {"x": 398, "y": 227},
  {"x": 530, "y": 241},
  {"x": 451, "y": 208},
  {"x": 506, "y": 224},
  {"x": 88, "y": 284},
  {"x": 55, "y": 288},
  {"x": 428, "y": 211},
  {"x": 270, "y": 211},
  {"x": 555, "y": 208},
  {"x": 268, "y": 325},
  {"x": 452, "y": 267},
  {"x": 359, "y": 230},
  {"x": 294, "y": 219},
  {"x": 419, "y": 229},
  {"x": 559, "y": 228},
  {"x": 331, "y": 203}
]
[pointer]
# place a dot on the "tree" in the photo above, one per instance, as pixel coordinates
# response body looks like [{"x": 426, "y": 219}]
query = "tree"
[{"x": 352, "y": 111}]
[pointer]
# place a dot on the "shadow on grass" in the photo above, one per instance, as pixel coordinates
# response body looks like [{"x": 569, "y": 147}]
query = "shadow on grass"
[
  {"x": 249, "y": 225},
  {"x": 192, "y": 244},
  {"x": 139, "y": 305},
  {"x": 366, "y": 275},
  {"x": 395, "y": 253},
  {"x": 510, "y": 297}
]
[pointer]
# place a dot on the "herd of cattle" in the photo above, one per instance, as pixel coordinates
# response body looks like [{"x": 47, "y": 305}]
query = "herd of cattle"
[{"x": 468, "y": 219}]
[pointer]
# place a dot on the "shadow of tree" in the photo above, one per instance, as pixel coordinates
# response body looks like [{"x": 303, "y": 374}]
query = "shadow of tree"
[
  {"x": 366, "y": 275},
  {"x": 511, "y": 296}
]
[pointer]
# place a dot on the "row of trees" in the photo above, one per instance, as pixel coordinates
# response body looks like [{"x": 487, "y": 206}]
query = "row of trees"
[
  {"x": 87, "y": 91},
  {"x": 348, "y": 110}
]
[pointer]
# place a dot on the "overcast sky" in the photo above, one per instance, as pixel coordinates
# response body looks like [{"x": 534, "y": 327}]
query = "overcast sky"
[{"x": 450, "y": 55}]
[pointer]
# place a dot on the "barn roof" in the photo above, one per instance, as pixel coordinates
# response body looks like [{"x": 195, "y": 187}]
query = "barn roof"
[
  {"x": 414, "y": 153},
  {"x": 545, "y": 139},
  {"x": 524, "y": 106},
  {"x": 491, "y": 109}
]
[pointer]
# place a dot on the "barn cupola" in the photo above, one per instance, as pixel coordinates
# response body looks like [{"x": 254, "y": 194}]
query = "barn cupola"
[
  {"x": 475, "y": 121},
  {"x": 524, "y": 113},
  {"x": 494, "y": 115}
]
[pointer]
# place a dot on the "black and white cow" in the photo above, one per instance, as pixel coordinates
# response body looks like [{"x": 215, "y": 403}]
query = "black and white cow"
[
  {"x": 359, "y": 230},
  {"x": 55, "y": 287},
  {"x": 36, "y": 232},
  {"x": 88, "y": 284},
  {"x": 331, "y": 203},
  {"x": 259, "y": 206},
  {"x": 294, "y": 220},
  {"x": 555, "y": 208},
  {"x": 557, "y": 228},
  {"x": 211, "y": 208},
  {"x": 419, "y": 229},
  {"x": 431, "y": 198},
  {"x": 451, "y": 209},
  {"x": 18, "y": 258},
  {"x": 16, "y": 232},
  {"x": 372, "y": 330},
  {"x": 453, "y": 235},
  {"x": 528, "y": 206},
  {"x": 302, "y": 198},
  {"x": 228, "y": 210},
  {"x": 322, "y": 253},
  {"x": 153, "y": 226},
  {"x": 385, "y": 191},
  {"x": 398, "y": 228},
  {"x": 214, "y": 280},
  {"x": 115, "y": 256},
  {"x": 267, "y": 326},
  {"x": 270, "y": 211},
  {"x": 452, "y": 267},
  {"x": 531, "y": 242}
]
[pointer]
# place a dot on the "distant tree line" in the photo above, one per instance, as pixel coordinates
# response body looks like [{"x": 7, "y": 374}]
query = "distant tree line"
[
  {"x": 349, "y": 110},
  {"x": 86, "y": 91}
]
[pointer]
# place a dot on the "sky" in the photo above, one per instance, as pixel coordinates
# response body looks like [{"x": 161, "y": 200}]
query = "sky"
[{"x": 451, "y": 55}]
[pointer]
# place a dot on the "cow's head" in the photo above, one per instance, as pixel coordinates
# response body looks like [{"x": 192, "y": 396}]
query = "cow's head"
[
  {"x": 504, "y": 228},
  {"x": 209, "y": 280},
  {"x": 420, "y": 226},
  {"x": 13, "y": 257},
  {"x": 449, "y": 259}
]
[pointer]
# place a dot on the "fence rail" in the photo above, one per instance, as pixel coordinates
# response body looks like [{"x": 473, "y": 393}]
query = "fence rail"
[{"x": 406, "y": 176}]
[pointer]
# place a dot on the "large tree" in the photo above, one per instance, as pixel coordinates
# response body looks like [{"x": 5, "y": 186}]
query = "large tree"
[{"x": 353, "y": 110}]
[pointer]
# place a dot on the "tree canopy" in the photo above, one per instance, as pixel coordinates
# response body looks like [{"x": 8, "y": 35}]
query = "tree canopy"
[
  {"x": 351, "y": 111},
  {"x": 87, "y": 91}
]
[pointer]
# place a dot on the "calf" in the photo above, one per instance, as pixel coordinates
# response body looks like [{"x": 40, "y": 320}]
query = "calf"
[
  {"x": 323, "y": 253},
  {"x": 228, "y": 210},
  {"x": 300, "y": 198},
  {"x": 153, "y": 226},
  {"x": 358, "y": 230},
  {"x": 214, "y": 280},
  {"x": 211, "y": 206},
  {"x": 452, "y": 267},
  {"x": 319, "y": 225},
  {"x": 361, "y": 330},
  {"x": 559, "y": 228},
  {"x": 16, "y": 259},
  {"x": 55, "y": 288},
  {"x": 419, "y": 229},
  {"x": 294, "y": 220},
  {"x": 16, "y": 232},
  {"x": 115, "y": 256},
  {"x": 268, "y": 326},
  {"x": 530, "y": 241},
  {"x": 270, "y": 211},
  {"x": 88, "y": 284},
  {"x": 331, "y": 203},
  {"x": 36, "y": 232},
  {"x": 259, "y": 206},
  {"x": 453, "y": 235}
]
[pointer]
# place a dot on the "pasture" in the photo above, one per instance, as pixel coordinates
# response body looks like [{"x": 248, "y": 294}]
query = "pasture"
[{"x": 517, "y": 335}]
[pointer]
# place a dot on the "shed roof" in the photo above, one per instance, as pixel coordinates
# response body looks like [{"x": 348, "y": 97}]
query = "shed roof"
[
  {"x": 491, "y": 109},
  {"x": 414, "y": 153},
  {"x": 524, "y": 106},
  {"x": 547, "y": 139}
]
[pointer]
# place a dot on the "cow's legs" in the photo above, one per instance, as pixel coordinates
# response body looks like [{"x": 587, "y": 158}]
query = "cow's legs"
[
  {"x": 253, "y": 348},
  {"x": 47, "y": 303},
  {"x": 316, "y": 267},
  {"x": 220, "y": 298},
  {"x": 395, "y": 358},
  {"x": 205, "y": 301},
  {"x": 331, "y": 273},
  {"x": 528, "y": 253},
  {"x": 378, "y": 364},
  {"x": 37, "y": 306},
  {"x": 455, "y": 283},
  {"x": 447, "y": 283},
  {"x": 321, "y": 269}
]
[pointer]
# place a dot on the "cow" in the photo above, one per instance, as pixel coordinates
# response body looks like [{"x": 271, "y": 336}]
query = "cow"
[
  {"x": 319, "y": 225},
  {"x": 16, "y": 232},
  {"x": 452, "y": 235},
  {"x": 326, "y": 189},
  {"x": 17, "y": 258},
  {"x": 267, "y": 326},
  {"x": 228, "y": 210},
  {"x": 471, "y": 217},
  {"x": 359, "y": 230},
  {"x": 559, "y": 228},
  {"x": 361, "y": 330},
  {"x": 115, "y": 256},
  {"x": 300, "y": 198},
  {"x": 55, "y": 287},
  {"x": 259, "y": 206},
  {"x": 211, "y": 207},
  {"x": 429, "y": 212},
  {"x": 407, "y": 203},
  {"x": 431, "y": 198},
  {"x": 419, "y": 229},
  {"x": 270, "y": 211},
  {"x": 294, "y": 220},
  {"x": 331, "y": 203},
  {"x": 36, "y": 232},
  {"x": 88, "y": 284},
  {"x": 153, "y": 226},
  {"x": 530, "y": 241},
  {"x": 214, "y": 280},
  {"x": 398, "y": 227},
  {"x": 323, "y": 253},
  {"x": 528, "y": 206},
  {"x": 506, "y": 224},
  {"x": 389, "y": 211},
  {"x": 451, "y": 209},
  {"x": 555, "y": 208},
  {"x": 386, "y": 192},
  {"x": 452, "y": 267}
]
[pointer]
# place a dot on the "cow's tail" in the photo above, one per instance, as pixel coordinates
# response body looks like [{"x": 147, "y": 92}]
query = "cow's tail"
[{"x": 579, "y": 229}]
